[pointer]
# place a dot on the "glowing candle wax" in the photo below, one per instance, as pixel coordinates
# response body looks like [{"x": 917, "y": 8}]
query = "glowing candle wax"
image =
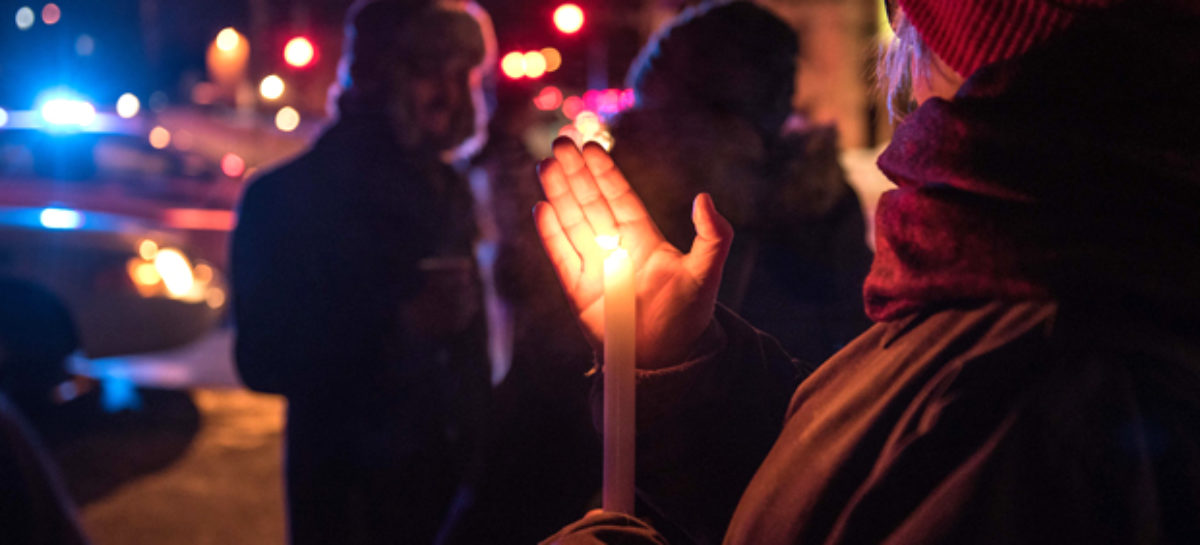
[{"x": 619, "y": 358}]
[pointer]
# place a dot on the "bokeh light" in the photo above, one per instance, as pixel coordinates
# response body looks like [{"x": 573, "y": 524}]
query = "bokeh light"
[
  {"x": 535, "y": 64},
  {"x": 128, "y": 105},
  {"x": 158, "y": 101},
  {"x": 214, "y": 297},
  {"x": 68, "y": 111},
  {"x": 51, "y": 14},
  {"x": 85, "y": 45},
  {"x": 287, "y": 119},
  {"x": 160, "y": 137},
  {"x": 513, "y": 65},
  {"x": 204, "y": 93},
  {"x": 228, "y": 39},
  {"x": 147, "y": 249},
  {"x": 203, "y": 273},
  {"x": 553, "y": 58},
  {"x": 60, "y": 218},
  {"x": 549, "y": 98},
  {"x": 628, "y": 99},
  {"x": 143, "y": 273},
  {"x": 609, "y": 102},
  {"x": 175, "y": 271},
  {"x": 3, "y": 117},
  {"x": 271, "y": 87},
  {"x": 588, "y": 123},
  {"x": 568, "y": 18},
  {"x": 183, "y": 139},
  {"x": 572, "y": 106},
  {"x": 299, "y": 52},
  {"x": 24, "y": 17},
  {"x": 233, "y": 165}
]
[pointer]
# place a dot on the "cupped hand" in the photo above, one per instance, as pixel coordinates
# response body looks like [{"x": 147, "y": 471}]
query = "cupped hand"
[{"x": 676, "y": 292}]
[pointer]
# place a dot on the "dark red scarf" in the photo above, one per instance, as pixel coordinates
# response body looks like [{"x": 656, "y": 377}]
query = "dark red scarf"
[{"x": 1071, "y": 173}]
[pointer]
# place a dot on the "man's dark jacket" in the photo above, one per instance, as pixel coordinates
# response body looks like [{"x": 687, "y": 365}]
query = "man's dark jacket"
[{"x": 334, "y": 312}]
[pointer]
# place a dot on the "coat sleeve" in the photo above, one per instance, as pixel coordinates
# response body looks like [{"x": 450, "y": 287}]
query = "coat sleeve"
[
  {"x": 704, "y": 426},
  {"x": 1029, "y": 449}
]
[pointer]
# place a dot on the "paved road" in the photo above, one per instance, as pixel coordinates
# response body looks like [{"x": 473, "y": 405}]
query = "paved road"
[{"x": 183, "y": 455}]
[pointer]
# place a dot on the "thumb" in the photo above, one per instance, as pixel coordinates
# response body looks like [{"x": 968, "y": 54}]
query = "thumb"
[{"x": 714, "y": 235}]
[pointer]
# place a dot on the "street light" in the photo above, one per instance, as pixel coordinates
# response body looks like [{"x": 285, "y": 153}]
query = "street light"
[
  {"x": 271, "y": 87},
  {"x": 299, "y": 52},
  {"x": 568, "y": 18}
]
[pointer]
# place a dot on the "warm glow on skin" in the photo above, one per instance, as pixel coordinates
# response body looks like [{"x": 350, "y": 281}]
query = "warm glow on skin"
[{"x": 608, "y": 242}]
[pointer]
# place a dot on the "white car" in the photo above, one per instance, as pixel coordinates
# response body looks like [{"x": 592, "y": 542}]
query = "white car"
[{"x": 98, "y": 250}]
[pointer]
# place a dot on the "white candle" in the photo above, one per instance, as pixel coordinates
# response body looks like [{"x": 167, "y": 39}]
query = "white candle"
[{"x": 619, "y": 359}]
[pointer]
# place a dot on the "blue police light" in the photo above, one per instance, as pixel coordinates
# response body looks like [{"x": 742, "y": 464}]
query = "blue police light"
[
  {"x": 66, "y": 112},
  {"x": 60, "y": 218}
]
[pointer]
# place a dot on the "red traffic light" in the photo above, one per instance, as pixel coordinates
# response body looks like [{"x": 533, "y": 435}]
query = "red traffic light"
[
  {"x": 568, "y": 18},
  {"x": 299, "y": 52}
]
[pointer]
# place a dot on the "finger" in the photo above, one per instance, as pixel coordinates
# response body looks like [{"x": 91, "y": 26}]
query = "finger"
[
  {"x": 583, "y": 186},
  {"x": 626, "y": 206},
  {"x": 565, "y": 205},
  {"x": 565, "y": 258},
  {"x": 714, "y": 235}
]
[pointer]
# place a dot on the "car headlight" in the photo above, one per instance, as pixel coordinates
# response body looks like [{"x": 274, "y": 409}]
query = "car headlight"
[
  {"x": 175, "y": 271},
  {"x": 167, "y": 272}
]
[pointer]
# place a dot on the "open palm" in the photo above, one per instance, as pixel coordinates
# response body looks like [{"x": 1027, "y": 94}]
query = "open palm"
[{"x": 589, "y": 197}]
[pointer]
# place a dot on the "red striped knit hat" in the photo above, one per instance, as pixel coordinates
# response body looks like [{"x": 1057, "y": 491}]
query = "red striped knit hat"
[{"x": 967, "y": 34}]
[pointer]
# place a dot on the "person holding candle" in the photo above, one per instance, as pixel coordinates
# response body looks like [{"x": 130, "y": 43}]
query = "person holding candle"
[{"x": 1034, "y": 372}]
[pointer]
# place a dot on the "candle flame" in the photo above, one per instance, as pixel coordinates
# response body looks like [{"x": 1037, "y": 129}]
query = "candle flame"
[{"x": 608, "y": 242}]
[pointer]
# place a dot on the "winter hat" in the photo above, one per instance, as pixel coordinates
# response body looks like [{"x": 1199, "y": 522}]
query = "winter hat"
[
  {"x": 732, "y": 57},
  {"x": 381, "y": 34},
  {"x": 967, "y": 34}
]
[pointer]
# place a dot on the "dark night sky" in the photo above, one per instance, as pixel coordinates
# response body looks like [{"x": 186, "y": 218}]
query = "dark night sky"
[{"x": 143, "y": 56}]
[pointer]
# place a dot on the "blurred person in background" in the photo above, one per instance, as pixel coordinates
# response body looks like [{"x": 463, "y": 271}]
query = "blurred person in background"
[
  {"x": 713, "y": 92},
  {"x": 355, "y": 290},
  {"x": 1034, "y": 373},
  {"x": 541, "y": 457}
]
